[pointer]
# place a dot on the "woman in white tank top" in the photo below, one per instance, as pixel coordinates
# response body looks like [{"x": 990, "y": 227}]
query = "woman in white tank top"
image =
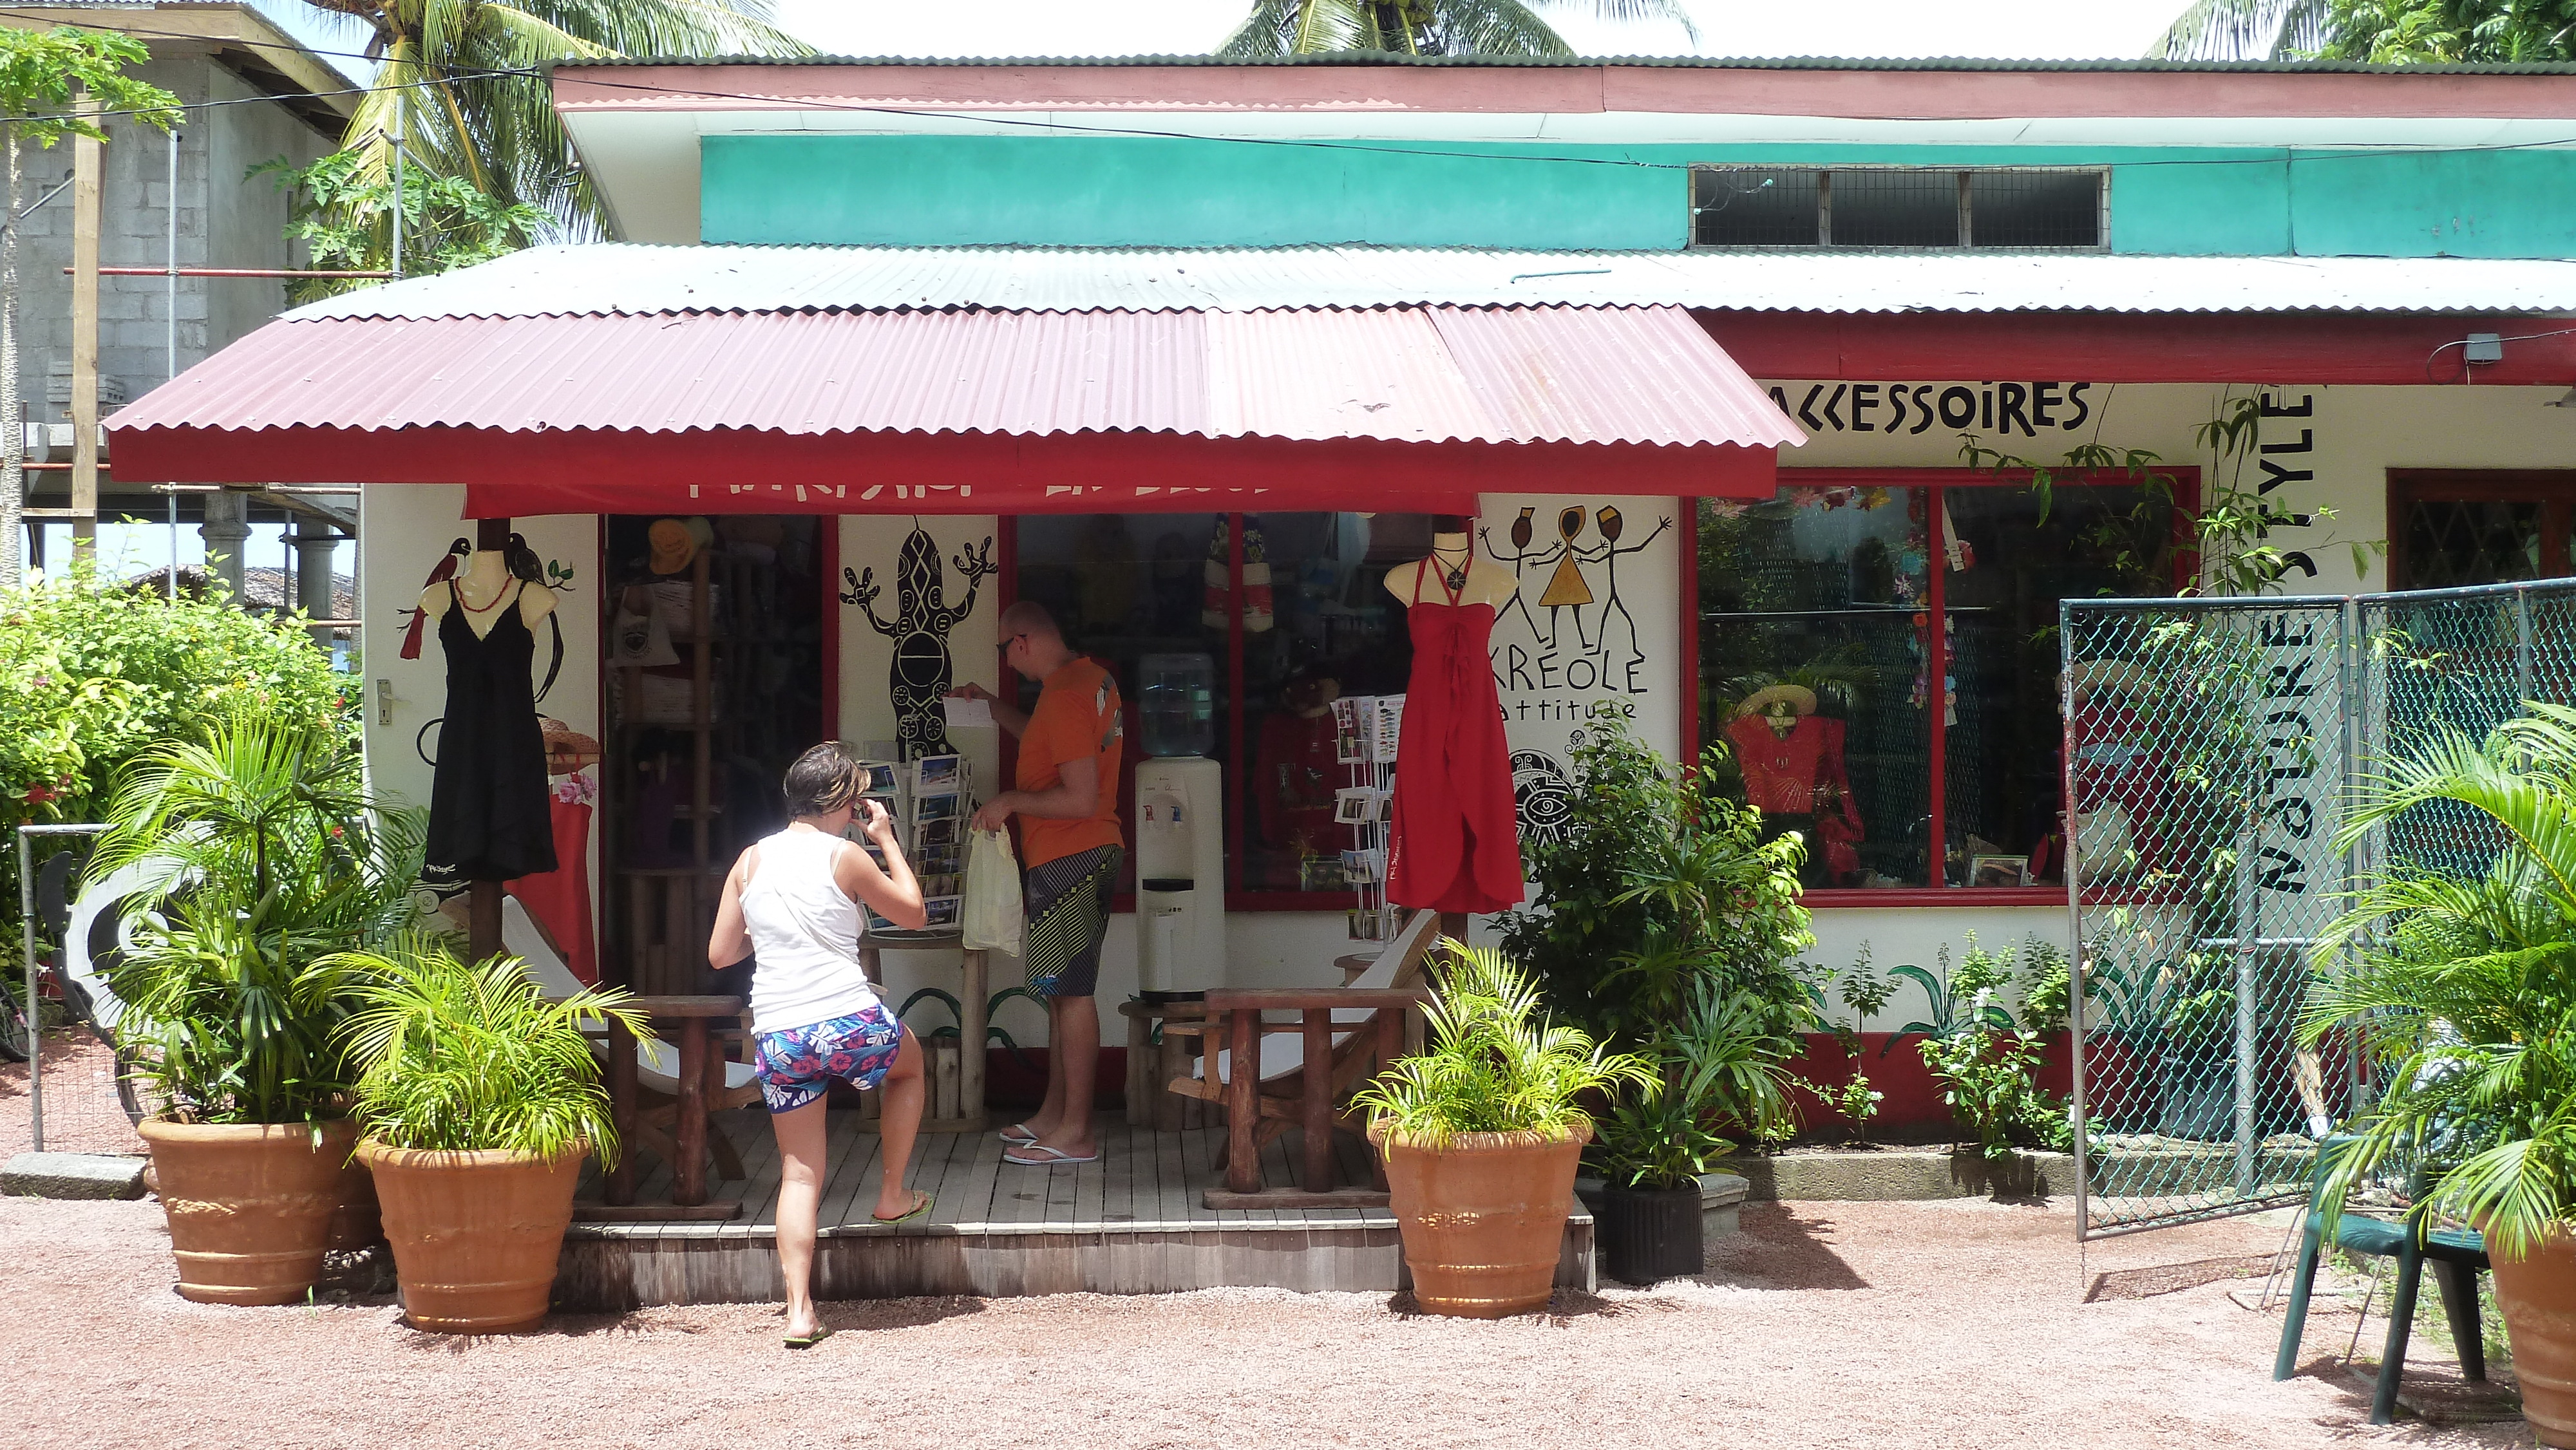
[{"x": 792, "y": 901}]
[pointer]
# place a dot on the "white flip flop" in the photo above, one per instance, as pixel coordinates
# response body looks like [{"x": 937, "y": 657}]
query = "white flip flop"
[{"x": 1055, "y": 1157}]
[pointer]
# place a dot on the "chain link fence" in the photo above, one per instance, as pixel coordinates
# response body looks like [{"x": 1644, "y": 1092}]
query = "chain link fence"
[
  {"x": 74, "y": 1096},
  {"x": 2211, "y": 748}
]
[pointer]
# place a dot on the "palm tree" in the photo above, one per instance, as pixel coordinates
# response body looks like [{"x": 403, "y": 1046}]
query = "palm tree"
[
  {"x": 458, "y": 82},
  {"x": 2384, "y": 32},
  {"x": 2244, "y": 30},
  {"x": 1425, "y": 27}
]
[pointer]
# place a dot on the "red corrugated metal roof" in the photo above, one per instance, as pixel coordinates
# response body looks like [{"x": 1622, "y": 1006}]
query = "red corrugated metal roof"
[{"x": 302, "y": 399}]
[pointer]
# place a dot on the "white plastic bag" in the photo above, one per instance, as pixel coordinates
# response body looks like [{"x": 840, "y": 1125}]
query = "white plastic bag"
[{"x": 991, "y": 909}]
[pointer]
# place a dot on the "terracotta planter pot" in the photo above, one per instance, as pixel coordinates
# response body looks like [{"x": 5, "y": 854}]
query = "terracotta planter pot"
[
  {"x": 249, "y": 1204},
  {"x": 1483, "y": 1218},
  {"x": 2538, "y": 1296},
  {"x": 357, "y": 1223},
  {"x": 475, "y": 1235}
]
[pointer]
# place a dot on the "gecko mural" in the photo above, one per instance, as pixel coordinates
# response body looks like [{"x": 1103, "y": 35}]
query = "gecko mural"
[{"x": 922, "y": 668}]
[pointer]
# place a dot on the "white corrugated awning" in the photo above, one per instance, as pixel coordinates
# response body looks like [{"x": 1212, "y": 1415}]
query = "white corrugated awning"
[{"x": 628, "y": 279}]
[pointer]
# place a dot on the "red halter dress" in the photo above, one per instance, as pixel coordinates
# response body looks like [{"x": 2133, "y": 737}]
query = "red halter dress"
[{"x": 1454, "y": 841}]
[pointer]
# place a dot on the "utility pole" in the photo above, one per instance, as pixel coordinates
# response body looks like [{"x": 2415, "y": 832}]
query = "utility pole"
[
  {"x": 85, "y": 228},
  {"x": 13, "y": 446}
]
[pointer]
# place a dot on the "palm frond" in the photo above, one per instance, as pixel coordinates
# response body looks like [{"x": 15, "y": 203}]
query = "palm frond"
[
  {"x": 1495, "y": 27},
  {"x": 457, "y": 1059},
  {"x": 1493, "y": 1064},
  {"x": 2245, "y": 30}
]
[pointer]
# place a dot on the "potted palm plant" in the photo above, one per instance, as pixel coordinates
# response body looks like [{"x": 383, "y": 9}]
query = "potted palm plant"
[
  {"x": 262, "y": 860},
  {"x": 2461, "y": 992},
  {"x": 480, "y": 1097},
  {"x": 1481, "y": 1133},
  {"x": 1719, "y": 1067}
]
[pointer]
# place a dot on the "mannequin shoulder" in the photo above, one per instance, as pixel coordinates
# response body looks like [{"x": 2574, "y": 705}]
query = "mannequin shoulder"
[
  {"x": 536, "y": 601},
  {"x": 1399, "y": 582},
  {"x": 1491, "y": 584},
  {"x": 433, "y": 601}
]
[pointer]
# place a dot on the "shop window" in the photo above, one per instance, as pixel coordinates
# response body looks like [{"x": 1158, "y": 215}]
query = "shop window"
[
  {"x": 1910, "y": 755},
  {"x": 2020, "y": 208},
  {"x": 1299, "y": 615},
  {"x": 2459, "y": 527}
]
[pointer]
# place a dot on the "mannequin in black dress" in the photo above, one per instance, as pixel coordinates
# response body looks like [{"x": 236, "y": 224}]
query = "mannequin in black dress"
[{"x": 488, "y": 812}]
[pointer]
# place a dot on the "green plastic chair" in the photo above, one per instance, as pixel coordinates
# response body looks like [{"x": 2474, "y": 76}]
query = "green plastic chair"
[{"x": 2458, "y": 1256}]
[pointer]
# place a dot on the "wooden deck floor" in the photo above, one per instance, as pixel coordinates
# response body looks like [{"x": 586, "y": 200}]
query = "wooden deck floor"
[{"x": 1130, "y": 1223}]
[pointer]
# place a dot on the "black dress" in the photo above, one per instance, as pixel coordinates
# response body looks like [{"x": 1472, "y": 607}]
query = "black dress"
[{"x": 489, "y": 813}]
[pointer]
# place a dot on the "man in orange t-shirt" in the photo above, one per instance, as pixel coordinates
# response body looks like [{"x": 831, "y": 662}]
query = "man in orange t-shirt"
[{"x": 1070, "y": 849}]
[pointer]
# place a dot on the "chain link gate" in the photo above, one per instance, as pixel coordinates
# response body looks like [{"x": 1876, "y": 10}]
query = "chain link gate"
[{"x": 2210, "y": 747}]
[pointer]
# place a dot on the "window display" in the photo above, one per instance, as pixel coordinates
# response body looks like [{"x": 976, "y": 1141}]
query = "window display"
[
  {"x": 1306, "y": 621},
  {"x": 1910, "y": 757}
]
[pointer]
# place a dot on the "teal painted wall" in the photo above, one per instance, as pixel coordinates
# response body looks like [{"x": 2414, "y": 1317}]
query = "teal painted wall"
[{"x": 1148, "y": 191}]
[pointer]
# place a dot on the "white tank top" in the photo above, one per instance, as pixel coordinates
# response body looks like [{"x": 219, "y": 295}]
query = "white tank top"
[{"x": 805, "y": 932}]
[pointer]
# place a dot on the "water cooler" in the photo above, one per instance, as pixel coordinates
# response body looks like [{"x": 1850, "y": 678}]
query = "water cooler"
[{"x": 1180, "y": 832}]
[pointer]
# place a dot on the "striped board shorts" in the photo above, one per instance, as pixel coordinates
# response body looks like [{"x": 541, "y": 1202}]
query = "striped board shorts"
[{"x": 1066, "y": 902}]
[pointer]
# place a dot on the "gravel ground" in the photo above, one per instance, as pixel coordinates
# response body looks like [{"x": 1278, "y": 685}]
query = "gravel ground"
[{"x": 1921, "y": 1325}]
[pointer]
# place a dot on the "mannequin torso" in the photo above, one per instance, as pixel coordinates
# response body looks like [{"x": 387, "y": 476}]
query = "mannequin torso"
[
  {"x": 1452, "y": 556},
  {"x": 483, "y": 585}
]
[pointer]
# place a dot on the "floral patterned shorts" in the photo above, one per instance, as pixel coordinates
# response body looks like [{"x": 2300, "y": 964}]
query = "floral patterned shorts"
[{"x": 797, "y": 1066}]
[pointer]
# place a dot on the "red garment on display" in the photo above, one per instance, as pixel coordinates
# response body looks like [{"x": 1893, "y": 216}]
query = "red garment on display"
[
  {"x": 1454, "y": 839},
  {"x": 1785, "y": 774},
  {"x": 561, "y": 898}
]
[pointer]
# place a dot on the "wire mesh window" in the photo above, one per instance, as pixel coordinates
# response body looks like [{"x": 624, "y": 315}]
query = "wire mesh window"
[
  {"x": 1910, "y": 207},
  {"x": 1743, "y": 206}
]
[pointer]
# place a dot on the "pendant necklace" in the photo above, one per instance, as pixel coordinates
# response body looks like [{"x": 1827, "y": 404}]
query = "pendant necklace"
[{"x": 1457, "y": 573}]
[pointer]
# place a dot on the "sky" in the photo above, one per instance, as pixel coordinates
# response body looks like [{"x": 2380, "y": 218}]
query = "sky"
[{"x": 1997, "y": 29}]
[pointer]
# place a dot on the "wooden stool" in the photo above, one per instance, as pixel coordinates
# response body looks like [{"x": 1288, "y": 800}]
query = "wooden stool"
[{"x": 1151, "y": 1067}]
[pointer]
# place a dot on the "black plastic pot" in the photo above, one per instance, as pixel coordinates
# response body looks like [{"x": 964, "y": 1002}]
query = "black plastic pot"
[{"x": 1647, "y": 1235}]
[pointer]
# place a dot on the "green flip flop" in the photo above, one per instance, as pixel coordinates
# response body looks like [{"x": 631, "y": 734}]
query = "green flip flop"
[
  {"x": 921, "y": 1205},
  {"x": 808, "y": 1341}
]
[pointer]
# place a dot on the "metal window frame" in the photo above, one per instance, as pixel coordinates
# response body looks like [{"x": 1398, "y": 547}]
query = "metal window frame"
[{"x": 1824, "y": 175}]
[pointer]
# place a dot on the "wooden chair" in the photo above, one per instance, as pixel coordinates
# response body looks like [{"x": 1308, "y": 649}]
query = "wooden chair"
[{"x": 1303, "y": 1072}]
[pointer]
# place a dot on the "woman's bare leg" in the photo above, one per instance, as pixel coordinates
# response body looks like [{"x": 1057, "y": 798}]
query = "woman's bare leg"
[
  {"x": 801, "y": 1138},
  {"x": 897, "y": 1125}
]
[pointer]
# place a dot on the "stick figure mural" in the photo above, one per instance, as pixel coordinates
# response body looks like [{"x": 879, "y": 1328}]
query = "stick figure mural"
[
  {"x": 1611, "y": 527},
  {"x": 1566, "y": 588},
  {"x": 1522, "y": 533},
  {"x": 922, "y": 668}
]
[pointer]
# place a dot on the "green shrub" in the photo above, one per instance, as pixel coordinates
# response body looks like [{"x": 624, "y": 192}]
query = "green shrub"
[
  {"x": 1659, "y": 884},
  {"x": 93, "y": 674}
]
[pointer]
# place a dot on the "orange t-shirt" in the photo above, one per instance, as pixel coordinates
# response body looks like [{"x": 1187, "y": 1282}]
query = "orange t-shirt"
[{"x": 1077, "y": 715}]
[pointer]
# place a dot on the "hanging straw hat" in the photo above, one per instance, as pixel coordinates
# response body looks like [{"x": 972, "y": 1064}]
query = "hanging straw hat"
[
  {"x": 675, "y": 545},
  {"x": 1801, "y": 700}
]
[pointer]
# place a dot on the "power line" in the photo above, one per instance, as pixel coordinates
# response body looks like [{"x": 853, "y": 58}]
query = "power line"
[{"x": 2289, "y": 155}]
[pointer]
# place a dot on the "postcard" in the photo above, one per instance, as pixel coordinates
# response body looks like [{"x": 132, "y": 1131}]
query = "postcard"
[{"x": 934, "y": 774}]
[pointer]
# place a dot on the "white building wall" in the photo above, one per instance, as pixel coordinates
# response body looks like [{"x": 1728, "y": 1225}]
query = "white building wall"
[{"x": 2327, "y": 448}]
